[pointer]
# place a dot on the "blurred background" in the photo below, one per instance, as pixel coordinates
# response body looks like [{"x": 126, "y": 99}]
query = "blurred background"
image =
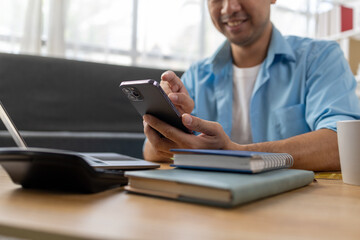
[{"x": 168, "y": 34}]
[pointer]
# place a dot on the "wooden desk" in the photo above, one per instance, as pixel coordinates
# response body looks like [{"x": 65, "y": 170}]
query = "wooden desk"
[{"x": 327, "y": 209}]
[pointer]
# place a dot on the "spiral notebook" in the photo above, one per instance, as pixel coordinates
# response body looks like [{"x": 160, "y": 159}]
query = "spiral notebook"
[{"x": 228, "y": 160}]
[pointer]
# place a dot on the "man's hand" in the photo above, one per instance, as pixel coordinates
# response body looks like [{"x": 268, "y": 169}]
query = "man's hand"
[
  {"x": 158, "y": 146},
  {"x": 177, "y": 92},
  {"x": 316, "y": 151}
]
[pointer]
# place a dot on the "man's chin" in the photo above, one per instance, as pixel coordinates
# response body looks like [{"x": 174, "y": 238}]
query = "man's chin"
[{"x": 241, "y": 42}]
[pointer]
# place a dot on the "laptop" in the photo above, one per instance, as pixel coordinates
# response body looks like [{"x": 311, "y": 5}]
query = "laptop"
[
  {"x": 57, "y": 169},
  {"x": 104, "y": 160}
]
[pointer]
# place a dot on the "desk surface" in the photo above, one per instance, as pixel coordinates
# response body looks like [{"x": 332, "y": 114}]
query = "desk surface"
[{"x": 326, "y": 209}]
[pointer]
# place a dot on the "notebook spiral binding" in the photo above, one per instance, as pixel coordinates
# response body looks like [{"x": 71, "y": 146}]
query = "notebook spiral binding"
[{"x": 272, "y": 161}]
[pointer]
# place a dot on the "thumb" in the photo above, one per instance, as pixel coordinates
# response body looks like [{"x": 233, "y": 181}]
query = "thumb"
[{"x": 199, "y": 125}]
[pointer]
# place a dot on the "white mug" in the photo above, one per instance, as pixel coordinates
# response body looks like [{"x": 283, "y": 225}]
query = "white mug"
[{"x": 348, "y": 133}]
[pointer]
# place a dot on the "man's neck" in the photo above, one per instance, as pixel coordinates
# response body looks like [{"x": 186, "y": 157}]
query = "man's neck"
[{"x": 254, "y": 54}]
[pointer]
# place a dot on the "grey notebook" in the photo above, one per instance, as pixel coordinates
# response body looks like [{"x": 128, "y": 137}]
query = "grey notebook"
[{"x": 223, "y": 189}]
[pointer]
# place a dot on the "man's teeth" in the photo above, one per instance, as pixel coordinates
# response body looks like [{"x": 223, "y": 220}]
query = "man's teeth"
[{"x": 235, "y": 23}]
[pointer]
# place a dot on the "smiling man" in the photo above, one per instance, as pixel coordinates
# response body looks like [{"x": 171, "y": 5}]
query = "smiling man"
[{"x": 260, "y": 91}]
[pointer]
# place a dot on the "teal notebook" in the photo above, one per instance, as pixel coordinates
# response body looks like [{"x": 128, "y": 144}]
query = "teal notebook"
[{"x": 223, "y": 189}]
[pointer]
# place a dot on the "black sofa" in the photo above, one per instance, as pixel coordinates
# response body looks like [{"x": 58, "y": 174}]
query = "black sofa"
[{"x": 73, "y": 105}]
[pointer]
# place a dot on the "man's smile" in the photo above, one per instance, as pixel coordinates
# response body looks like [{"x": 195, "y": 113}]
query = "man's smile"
[{"x": 234, "y": 21}]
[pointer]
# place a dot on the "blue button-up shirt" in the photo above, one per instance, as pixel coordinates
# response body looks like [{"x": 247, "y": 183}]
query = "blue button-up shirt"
[{"x": 303, "y": 85}]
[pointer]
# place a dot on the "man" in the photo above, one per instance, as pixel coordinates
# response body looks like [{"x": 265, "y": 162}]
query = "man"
[{"x": 259, "y": 92}]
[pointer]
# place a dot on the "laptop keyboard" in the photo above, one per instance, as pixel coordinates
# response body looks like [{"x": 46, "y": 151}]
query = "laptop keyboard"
[
  {"x": 110, "y": 171},
  {"x": 110, "y": 157},
  {"x": 116, "y": 161}
]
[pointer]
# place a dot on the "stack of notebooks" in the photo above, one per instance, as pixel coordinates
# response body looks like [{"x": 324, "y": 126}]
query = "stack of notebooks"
[{"x": 220, "y": 177}]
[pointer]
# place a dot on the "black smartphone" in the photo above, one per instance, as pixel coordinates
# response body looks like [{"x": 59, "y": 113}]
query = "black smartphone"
[{"x": 148, "y": 97}]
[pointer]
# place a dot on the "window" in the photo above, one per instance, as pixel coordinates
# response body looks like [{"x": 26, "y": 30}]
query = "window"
[
  {"x": 158, "y": 33},
  {"x": 12, "y": 18}
]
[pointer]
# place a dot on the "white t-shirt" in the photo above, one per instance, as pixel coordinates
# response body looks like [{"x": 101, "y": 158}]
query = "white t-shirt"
[{"x": 243, "y": 85}]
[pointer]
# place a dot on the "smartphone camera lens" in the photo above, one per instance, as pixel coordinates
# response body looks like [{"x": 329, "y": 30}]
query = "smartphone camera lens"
[
  {"x": 133, "y": 94},
  {"x": 131, "y": 97},
  {"x": 136, "y": 94},
  {"x": 126, "y": 90}
]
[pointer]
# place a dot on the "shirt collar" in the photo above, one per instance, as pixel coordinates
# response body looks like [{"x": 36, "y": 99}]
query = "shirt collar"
[{"x": 278, "y": 46}]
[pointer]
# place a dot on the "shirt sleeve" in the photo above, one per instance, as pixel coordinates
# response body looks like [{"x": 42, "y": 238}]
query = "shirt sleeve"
[{"x": 330, "y": 88}]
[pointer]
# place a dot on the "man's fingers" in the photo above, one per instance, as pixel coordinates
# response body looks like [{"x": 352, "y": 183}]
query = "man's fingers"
[
  {"x": 202, "y": 126},
  {"x": 166, "y": 87},
  {"x": 172, "y": 134},
  {"x": 182, "y": 101},
  {"x": 175, "y": 89},
  {"x": 212, "y": 134},
  {"x": 162, "y": 144},
  {"x": 173, "y": 81}
]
